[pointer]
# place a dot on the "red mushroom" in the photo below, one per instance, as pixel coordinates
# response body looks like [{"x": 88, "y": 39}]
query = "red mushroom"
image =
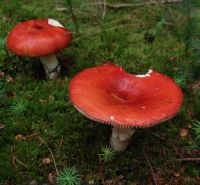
[
  {"x": 110, "y": 95},
  {"x": 40, "y": 38}
]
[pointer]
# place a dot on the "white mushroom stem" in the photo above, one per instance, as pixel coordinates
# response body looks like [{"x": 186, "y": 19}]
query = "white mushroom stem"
[
  {"x": 120, "y": 138},
  {"x": 50, "y": 62},
  {"x": 51, "y": 66}
]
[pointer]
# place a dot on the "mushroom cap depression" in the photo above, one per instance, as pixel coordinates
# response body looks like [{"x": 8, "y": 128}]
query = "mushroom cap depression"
[
  {"x": 38, "y": 37},
  {"x": 110, "y": 95}
]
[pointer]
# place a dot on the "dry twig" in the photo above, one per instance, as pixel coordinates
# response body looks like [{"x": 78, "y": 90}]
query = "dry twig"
[
  {"x": 54, "y": 161},
  {"x": 134, "y": 5},
  {"x": 100, "y": 6},
  {"x": 152, "y": 171},
  {"x": 188, "y": 159},
  {"x": 156, "y": 135},
  {"x": 14, "y": 158}
]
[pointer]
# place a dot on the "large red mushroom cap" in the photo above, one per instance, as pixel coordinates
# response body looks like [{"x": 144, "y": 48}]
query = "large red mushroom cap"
[
  {"x": 110, "y": 95},
  {"x": 38, "y": 37}
]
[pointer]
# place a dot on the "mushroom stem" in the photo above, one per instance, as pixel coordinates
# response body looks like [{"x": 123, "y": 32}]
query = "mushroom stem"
[
  {"x": 51, "y": 66},
  {"x": 120, "y": 138}
]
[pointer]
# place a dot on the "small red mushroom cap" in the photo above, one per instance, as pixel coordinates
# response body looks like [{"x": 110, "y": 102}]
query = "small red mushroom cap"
[
  {"x": 38, "y": 37},
  {"x": 110, "y": 95}
]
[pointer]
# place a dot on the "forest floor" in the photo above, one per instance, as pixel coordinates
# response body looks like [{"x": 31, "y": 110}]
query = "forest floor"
[{"x": 41, "y": 133}]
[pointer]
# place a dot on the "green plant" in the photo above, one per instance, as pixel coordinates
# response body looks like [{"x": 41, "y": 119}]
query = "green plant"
[
  {"x": 2, "y": 90},
  {"x": 180, "y": 80},
  {"x": 191, "y": 146},
  {"x": 69, "y": 176},
  {"x": 107, "y": 153},
  {"x": 19, "y": 107},
  {"x": 11, "y": 8},
  {"x": 160, "y": 26},
  {"x": 196, "y": 129},
  {"x": 2, "y": 43},
  {"x": 69, "y": 2},
  {"x": 195, "y": 172}
]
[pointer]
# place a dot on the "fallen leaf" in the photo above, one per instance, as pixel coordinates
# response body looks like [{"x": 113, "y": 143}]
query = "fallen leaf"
[
  {"x": 91, "y": 182},
  {"x": 2, "y": 74},
  {"x": 43, "y": 101},
  {"x": 52, "y": 177},
  {"x": 183, "y": 132},
  {"x": 33, "y": 182},
  {"x": 61, "y": 9},
  {"x": 173, "y": 59},
  {"x": 198, "y": 178},
  {"x": 51, "y": 98},
  {"x": 195, "y": 86},
  {"x": 19, "y": 137},
  {"x": 175, "y": 68},
  {"x": 46, "y": 160},
  {"x": 176, "y": 174},
  {"x": 12, "y": 94},
  {"x": 116, "y": 181},
  {"x": 9, "y": 79},
  {"x": 1, "y": 126}
]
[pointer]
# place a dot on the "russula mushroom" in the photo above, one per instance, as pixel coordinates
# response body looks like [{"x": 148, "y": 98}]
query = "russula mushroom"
[
  {"x": 40, "y": 38},
  {"x": 110, "y": 95}
]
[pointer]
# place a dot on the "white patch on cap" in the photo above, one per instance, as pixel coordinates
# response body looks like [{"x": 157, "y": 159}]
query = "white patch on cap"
[
  {"x": 144, "y": 107},
  {"x": 112, "y": 117},
  {"x": 146, "y": 75},
  {"x": 54, "y": 22}
]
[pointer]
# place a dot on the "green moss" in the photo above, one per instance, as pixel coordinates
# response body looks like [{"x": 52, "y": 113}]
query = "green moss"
[{"x": 32, "y": 108}]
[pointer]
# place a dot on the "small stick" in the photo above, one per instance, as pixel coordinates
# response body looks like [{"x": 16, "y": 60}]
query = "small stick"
[
  {"x": 104, "y": 8},
  {"x": 152, "y": 171},
  {"x": 14, "y": 158},
  {"x": 61, "y": 141},
  {"x": 188, "y": 159},
  {"x": 54, "y": 161},
  {"x": 99, "y": 31},
  {"x": 31, "y": 135},
  {"x": 156, "y": 135},
  {"x": 134, "y": 5},
  {"x": 73, "y": 16},
  {"x": 13, "y": 161}
]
